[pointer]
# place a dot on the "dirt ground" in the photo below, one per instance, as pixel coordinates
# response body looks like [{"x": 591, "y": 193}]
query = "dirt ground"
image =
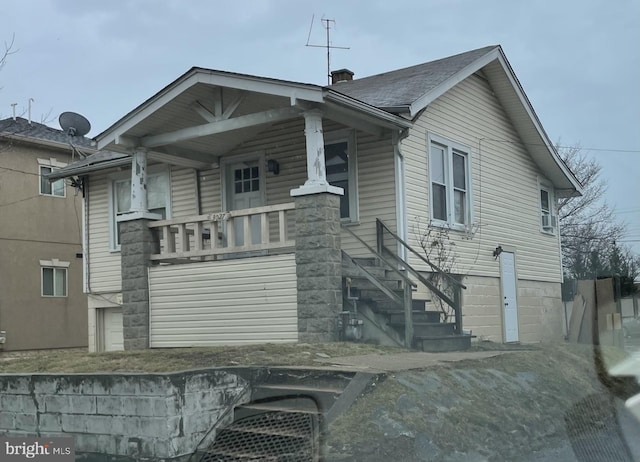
[{"x": 512, "y": 406}]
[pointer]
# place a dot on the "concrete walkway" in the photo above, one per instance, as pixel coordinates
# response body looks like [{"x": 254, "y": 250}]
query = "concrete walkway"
[{"x": 406, "y": 361}]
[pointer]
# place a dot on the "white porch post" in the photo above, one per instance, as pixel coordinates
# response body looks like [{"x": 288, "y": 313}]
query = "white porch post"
[
  {"x": 316, "y": 170},
  {"x": 139, "y": 180}
]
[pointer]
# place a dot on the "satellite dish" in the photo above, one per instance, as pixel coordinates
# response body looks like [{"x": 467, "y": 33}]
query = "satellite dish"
[{"x": 74, "y": 124}]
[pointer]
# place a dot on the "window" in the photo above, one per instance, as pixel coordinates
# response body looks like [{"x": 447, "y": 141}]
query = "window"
[
  {"x": 158, "y": 200},
  {"x": 51, "y": 188},
  {"x": 340, "y": 164},
  {"x": 450, "y": 182},
  {"x": 547, "y": 218},
  {"x": 54, "y": 277}
]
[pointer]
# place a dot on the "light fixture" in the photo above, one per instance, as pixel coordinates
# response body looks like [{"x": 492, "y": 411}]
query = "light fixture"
[
  {"x": 497, "y": 251},
  {"x": 273, "y": 166}
]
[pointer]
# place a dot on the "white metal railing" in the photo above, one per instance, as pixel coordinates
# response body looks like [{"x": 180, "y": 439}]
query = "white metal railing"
[{"x": 254, "y": 229}]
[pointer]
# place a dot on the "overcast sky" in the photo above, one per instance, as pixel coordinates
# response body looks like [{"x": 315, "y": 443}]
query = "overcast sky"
[{"x": 578, "y": 60}]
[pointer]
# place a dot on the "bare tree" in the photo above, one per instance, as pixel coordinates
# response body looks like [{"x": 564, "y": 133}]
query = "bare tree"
[
  {"x": 588, "y": 227},
  {"x": 8, "y": 51}
]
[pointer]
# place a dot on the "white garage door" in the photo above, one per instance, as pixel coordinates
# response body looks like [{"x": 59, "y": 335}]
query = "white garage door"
[
  {"x": 233, "y": 302},
  {"x": 112, "y": 324}
]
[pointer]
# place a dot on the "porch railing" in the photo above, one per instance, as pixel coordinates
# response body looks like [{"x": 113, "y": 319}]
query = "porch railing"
[{"x": 247, "y": 230}]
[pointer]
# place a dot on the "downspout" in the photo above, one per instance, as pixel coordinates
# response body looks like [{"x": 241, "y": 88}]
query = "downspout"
[
  {"x": 400, "y": 183},
  {"x": 85, "y": 235}
]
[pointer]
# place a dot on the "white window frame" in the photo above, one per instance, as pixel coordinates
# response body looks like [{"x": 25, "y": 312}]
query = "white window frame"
[
  {"x": 55, "y": 265},
  {"x": 544, "y": 185},
  {"x": 348, "y": 136},
  {"x": 450, "y": 147},
  {"x": 52, "y": 164},
  {"x": 114, "y": 245}
]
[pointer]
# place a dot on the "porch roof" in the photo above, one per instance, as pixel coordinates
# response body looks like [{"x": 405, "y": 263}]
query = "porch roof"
[{"x": 205, "y": 113}]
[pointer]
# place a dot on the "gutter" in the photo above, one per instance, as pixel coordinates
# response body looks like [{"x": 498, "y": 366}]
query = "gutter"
[{"x": 84, "y": 169}]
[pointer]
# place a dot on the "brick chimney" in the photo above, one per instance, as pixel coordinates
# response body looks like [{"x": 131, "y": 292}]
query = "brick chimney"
[{"x": 341, "y": 75}]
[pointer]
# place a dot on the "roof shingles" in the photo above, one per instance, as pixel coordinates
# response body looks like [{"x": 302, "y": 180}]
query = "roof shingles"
[{"x": 404, "y": 86}]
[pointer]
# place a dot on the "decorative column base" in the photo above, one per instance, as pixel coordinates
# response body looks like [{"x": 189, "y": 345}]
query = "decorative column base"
[
  {"x": 318, "y": 267},
  {"x": 137, "y": 243}
]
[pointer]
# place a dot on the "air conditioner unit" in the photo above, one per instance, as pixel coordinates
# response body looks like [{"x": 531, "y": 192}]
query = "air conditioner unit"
[{"x": 548, "y": 222}]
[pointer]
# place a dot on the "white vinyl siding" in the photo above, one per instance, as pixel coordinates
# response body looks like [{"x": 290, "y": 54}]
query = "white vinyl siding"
[
  {"x": 233, "y": 302},
  {"x": 506, "y": 197},
  {"x": 104, "y": 264}
]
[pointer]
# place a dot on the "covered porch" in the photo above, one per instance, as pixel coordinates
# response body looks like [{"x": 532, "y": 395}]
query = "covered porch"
[{"x": 274, "y": 169}]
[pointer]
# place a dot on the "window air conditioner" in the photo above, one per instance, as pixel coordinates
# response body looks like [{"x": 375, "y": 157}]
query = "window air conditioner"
[{"x": 548, "y": 222}]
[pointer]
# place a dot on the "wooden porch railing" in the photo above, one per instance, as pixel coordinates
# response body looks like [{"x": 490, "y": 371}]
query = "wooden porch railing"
[{"x": 214, "y": 234}]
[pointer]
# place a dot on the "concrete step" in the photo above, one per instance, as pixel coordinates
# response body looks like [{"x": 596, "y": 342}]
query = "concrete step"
[
  {"x": 311, "y": 378},
  {"x": 438, "y": 344},
  {"x": 324, "y": 397},
  {"x": 428, "y": 329},
  {"x": 397, "y": 316},
  {"x": 305, "y": 405}
]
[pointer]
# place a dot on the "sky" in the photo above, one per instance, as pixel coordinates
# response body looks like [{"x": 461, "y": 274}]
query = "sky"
[{"x": 577, "y": 60}]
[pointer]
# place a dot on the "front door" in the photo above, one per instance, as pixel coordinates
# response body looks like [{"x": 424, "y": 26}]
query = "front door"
[
  {"x": 245, "y": 190},
  {"x": 509, "y": 299}
]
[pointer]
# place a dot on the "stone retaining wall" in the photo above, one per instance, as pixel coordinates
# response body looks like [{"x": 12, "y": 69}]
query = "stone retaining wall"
[{"x": 134, "y": 416}]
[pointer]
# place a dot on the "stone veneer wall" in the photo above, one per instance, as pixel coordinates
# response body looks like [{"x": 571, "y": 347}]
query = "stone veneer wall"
[
  {"x": 137, "y": 243},
  {"x": 318, "y": 266},
  {"x": 129, "y": 416}
]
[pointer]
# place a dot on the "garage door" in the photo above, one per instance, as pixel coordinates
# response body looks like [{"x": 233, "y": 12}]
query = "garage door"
[{"x": 112, "y": 324}]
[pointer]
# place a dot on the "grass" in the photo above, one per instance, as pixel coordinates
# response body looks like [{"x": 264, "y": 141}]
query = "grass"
[{"x": 177, "y": 359}]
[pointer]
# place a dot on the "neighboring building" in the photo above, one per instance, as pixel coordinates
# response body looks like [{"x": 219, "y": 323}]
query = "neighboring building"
[
  {"x": 42, "y": 304},
  {"x": 290, "y": 176}
]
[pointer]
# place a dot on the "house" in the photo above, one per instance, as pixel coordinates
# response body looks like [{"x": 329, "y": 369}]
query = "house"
[
  {"x": 42, "y": 304},
  {"x": 231, "y": 209}
]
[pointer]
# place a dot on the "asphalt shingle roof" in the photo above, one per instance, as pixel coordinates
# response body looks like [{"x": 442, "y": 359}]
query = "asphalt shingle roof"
[
  {"x": 404, "y": 86},
  {"x": 22, "y": 127}
]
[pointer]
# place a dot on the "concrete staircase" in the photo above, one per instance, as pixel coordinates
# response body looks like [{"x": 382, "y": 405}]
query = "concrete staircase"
[
  {"x": 431, "y": 333},
  {"x": 289, "y": 412}
]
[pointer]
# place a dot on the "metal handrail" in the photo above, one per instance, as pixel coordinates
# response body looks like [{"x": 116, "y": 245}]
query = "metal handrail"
[
  {"x": 406, "y": 301},
  {"x": 422, "y": 257},
  {"x": 381, "y": 257},
  {"x": 455, "y": 304}
]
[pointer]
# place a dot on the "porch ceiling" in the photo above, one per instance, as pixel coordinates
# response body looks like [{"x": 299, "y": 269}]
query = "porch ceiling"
[{"x": 200, "y": 106}]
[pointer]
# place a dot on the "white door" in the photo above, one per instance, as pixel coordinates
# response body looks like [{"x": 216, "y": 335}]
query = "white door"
[
  {"x": 509, "y": 300},
  {"x": 245, "y": 190},
  {"x": 112, "y": 325}
]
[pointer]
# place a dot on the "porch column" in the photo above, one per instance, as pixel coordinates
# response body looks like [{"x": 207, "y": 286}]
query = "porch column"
[
  {"x": 137, "y": 243},
  {"x": 318, "y": 254},
  {"x": 139, "y": 180}
]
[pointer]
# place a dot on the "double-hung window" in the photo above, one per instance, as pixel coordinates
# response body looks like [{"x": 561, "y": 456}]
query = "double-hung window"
[
  {"x": 340, "y": 164},
  {"x": 450, "y": 190},
  {"x": 158, "y": 200},
  {"x": 54, "y": 278},
  {"x": 50, "y": 188},
  {"x": 547, "y": 218}
]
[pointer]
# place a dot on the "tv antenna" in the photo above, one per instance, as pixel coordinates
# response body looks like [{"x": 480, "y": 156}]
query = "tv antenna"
[{"x": 327, "y": 25}]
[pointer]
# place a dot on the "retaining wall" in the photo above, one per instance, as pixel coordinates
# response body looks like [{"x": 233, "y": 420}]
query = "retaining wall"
[{"x": 130, "y": 416}]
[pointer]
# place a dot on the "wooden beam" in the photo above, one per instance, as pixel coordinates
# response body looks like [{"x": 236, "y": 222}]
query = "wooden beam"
[
  {"x": 181, "y": 160},
  {"x": 231, "y": 108},
  {"x": 236, "y": 123},
  {"x": 205, "y": 113}
]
